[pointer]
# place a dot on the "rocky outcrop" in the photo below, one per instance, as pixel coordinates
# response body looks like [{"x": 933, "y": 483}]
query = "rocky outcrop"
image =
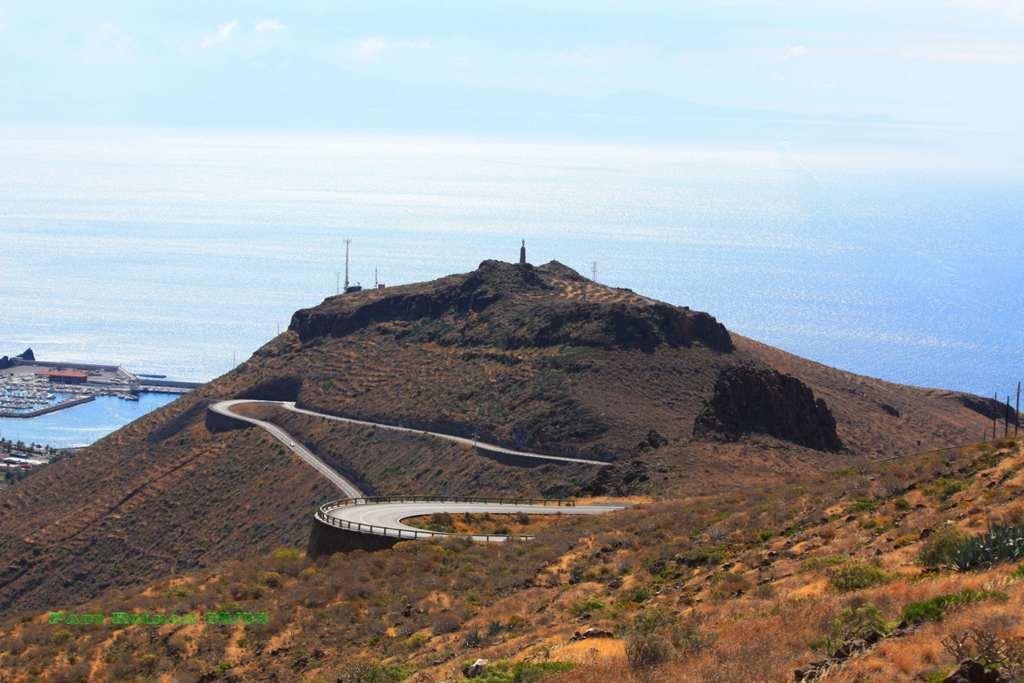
[
  {"x": 275, "y": 389},
  {"x": 988, "y": 407},
  {"x": 652, "y": 442},
  {"x": 972, "y": 672},
  {"x": 513, "y": 306},
  {"x": 748, "y": 400},
  {"x": 6, "y": 362},
  {"x": 475, "y": 669}
]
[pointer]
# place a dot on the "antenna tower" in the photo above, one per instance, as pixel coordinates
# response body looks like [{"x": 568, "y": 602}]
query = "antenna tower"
[{"x": 347, "y": 242}]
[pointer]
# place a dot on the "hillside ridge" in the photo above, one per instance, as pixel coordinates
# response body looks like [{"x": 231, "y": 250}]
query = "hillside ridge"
[{"x": 530, "y": 358}]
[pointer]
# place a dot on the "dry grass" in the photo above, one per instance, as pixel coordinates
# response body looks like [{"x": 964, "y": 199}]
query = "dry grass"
[{"x": 734, "y": 601}]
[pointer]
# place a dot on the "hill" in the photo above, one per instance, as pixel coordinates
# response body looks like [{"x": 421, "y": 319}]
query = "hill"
[
  {"x": 524, "y": 356},
  {"x": 884, "y": 572}
]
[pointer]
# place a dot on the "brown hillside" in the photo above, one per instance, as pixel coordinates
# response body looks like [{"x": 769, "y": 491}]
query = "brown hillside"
[
  {"x": 736, "y": 586},
  {"x": 532, "y": 357}
]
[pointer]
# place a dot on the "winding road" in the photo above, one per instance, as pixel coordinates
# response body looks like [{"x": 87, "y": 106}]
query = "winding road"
[{"x": 383, "y": 517}]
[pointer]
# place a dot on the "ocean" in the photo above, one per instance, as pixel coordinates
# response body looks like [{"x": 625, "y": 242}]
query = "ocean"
[{"x": 180, "y": 253}]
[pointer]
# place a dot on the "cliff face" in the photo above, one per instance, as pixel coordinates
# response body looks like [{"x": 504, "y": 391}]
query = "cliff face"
[
  {"x": 747, "y": 400},
  {"x": 517, "y": 306}
]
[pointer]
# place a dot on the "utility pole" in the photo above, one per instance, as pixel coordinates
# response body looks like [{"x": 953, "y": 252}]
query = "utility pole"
[
  {"x": 593, "y": 271},
  {"x": 337, "y": 282},
  {"x": 347, "y": 242},
  {"x": 1016, "y": 419},
  {"x": 995, "y": 415},
  {"x": 1006, "y": 421},
  {"x": 375, "y": 277}
]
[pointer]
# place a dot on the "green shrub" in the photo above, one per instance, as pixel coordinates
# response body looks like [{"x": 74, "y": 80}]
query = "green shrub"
[
  {"x": 288, "y": 561},
  {"x": 862, "y": 505},
  {"x": 647, "y": 650},
  {"x": 814, "y": 563},
  {"x": 441, "y": 521},
  {"x": 858, "y": 621},
  {"x": 653, "y": 619},
  {"x": 701, "y": 555},
  {"x": 521, "y": 672},
  {"x": 855, "y": 576},
  {"x": 935, "y": 608},
  {"x": 362, "y": 672},
  {"x": 729, "y": 585},
  {"x": 638, "y": 594},
  {"x": 942, "y": 546},
  {"x": 944, "y": 488},
  {"x": 587, "y": 606},
  {"x": 1002, "y": 543}
]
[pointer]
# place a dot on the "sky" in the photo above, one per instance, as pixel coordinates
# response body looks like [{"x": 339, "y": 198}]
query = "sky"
[{"x": 817, "y": 72}]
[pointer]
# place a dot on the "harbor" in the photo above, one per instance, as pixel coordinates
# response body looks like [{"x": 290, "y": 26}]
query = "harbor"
[
  {"x": 69, "y": 404},
  {"x": 30, "y": 388}
]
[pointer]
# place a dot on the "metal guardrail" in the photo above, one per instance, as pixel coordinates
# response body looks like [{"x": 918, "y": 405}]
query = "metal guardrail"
[{"x": 395, "y": 532}]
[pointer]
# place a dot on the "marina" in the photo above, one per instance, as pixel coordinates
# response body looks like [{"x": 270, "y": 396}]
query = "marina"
[
  {"x": 66, "y": 405},
  {"x": 30, "y": 388}
]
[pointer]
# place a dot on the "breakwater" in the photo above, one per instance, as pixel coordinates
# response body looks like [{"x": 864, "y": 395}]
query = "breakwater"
[{"x": 70, "y": 403}]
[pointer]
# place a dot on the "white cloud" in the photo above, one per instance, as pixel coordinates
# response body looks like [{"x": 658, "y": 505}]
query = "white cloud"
[
  {"x": 797, "y": 51},
  {"x": 372, "y": 47},
  {"x": 269, "y": 26},
  {"x": 219, "y": 36}
]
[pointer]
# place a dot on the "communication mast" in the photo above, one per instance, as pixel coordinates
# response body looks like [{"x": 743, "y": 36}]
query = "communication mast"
[{"x": 347, "y": 242}]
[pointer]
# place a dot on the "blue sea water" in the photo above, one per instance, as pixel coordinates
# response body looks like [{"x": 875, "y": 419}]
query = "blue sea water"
[
  {"x": 81, "y": 425},
  {"x": 178, "y": 253}
]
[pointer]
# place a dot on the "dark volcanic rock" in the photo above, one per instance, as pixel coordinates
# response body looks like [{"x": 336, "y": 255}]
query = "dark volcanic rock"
[
  {"x": 276, "y": 389},
  {"x": 6, "y": 362},
  {"x": 891, "y": 410},
  {"x": 749, "y": 400},
  {"x": 988, "y": 407},
  {"x": 498, "y": 305},
  {"x": 970, "y": 671},
  {"x": 653, "y": 442}
]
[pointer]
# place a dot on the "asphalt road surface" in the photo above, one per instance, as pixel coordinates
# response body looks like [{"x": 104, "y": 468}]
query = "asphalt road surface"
[
  {"x": 387, "y": 517},
  {"x": 384, "y": 518}
]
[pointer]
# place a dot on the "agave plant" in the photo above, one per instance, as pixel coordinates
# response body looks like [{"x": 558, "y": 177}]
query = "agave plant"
[{"x": 1001, "y": 543}]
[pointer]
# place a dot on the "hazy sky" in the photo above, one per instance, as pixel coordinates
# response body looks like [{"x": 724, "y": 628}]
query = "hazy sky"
[{"x": 838, "y": 72}]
